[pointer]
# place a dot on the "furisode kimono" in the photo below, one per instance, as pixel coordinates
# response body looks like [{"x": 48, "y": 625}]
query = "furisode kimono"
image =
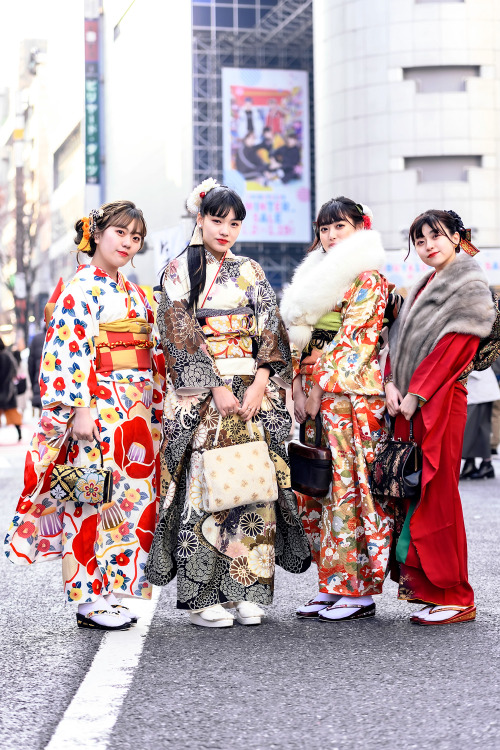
[
  {"x": 231, "y": 555},
  {"x": 103, "y": 548},
  {"x": 335, "y": 312}
]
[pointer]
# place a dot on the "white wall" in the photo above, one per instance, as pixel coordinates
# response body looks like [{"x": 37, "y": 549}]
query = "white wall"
[{"x": 368, "y": 119}]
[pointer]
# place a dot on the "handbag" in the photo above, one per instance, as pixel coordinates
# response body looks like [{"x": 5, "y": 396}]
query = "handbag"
[
  {"x": 397, "y": 470},
  {"x": 21, "y": 385},
  {"x": 82, "y": 484},
  {"x": 310, "y": 465},
  {"x": 237, "y": 475}
]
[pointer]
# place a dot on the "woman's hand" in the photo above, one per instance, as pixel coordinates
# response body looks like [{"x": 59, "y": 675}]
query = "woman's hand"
[
  {"x": 225, "y": 401},
  {"x": 313, "y": 402},
  {"x": 252, "y": 400},
  {"x": 393, "y": 399},
  {"x": 84, "y": 427},
  {"x": 299, "y": 400},
  {"x": 409, "y": 406}
]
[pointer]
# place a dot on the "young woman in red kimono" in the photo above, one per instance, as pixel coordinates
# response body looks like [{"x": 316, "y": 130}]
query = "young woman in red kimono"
[{"x": 432, "y": 347}]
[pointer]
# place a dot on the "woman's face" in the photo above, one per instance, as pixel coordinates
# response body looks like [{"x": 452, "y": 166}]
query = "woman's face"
[
  {"x": 331, "y": 234},
  {"x": 115, "y": 247},
  {"x": 219, "y": 234},
  {"x": 436, "y": 249}
]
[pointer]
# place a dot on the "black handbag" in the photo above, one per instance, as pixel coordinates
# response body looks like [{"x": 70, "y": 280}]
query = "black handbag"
[
  {"x": 82, "y": 484},
  {"x": 397, "y": 470},
  {"x": 21, "y": 386},
  {"x": 310, "y": 465}
]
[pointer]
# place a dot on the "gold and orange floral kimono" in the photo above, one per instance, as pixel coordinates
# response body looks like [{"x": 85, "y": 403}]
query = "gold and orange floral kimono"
[
  {"x": 103, "y": 548},
  {"x": 349, "y": 530}
]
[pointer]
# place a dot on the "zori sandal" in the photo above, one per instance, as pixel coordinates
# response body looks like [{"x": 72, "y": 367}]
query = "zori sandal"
[
  {"x": 314, "y": 606},
  {"x": 362, "y": 611},
  {"x": 212, "y": 617},
  {"x": 248, "y": 613},
  {"x": 86, "y": 621},
  {"x": 462, "y": 614},
  {"x": 421, "y": 613},
  {"x": 121, "y": 609}
]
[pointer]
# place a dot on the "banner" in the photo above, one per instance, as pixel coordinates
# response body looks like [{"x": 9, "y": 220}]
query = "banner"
[
  {"x": 92, "y": 143},
  {"x": 266, "y": 152}
]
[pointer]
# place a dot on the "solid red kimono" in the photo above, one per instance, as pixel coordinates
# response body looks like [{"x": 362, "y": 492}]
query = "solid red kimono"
[{"x": 432, "y": 545}]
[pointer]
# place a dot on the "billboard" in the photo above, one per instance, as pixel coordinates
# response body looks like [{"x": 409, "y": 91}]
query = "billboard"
[{"x": 266, "y": 152}]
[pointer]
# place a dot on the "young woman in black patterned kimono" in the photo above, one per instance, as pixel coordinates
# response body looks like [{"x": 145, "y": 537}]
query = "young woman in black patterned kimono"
[{"x": 227, "y": 357}]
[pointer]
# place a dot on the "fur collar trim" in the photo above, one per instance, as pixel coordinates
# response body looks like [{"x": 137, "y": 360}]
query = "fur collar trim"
[
  {"x": 457, "y": 300},
  {"x": 322, "y": 279}
]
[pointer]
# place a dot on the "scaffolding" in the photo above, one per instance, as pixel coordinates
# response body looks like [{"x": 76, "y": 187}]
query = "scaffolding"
[{"x": 282, "y": 39}]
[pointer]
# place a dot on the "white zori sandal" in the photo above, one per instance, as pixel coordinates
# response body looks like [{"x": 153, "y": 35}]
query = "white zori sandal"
[
  {"x": 212, "y": 617},
  {"x": 248, "y": 613}
]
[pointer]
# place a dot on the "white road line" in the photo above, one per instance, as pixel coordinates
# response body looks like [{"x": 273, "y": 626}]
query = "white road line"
[{"x": 90, "y": 717}]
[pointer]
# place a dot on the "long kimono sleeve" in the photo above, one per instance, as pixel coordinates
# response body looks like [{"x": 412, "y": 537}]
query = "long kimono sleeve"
[
  {"x": 348, "y": 364},
  {"x": 67, "y": 373},
  {"x": 273, "y": 345},
  {"x": 191, "y": 368},
  {"x": 446, "y": 362}
]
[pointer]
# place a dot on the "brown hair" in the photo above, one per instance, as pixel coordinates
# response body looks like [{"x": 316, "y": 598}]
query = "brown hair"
[
  {"x": 116, "y": 214},
  {"x": 336, "y": 209}
]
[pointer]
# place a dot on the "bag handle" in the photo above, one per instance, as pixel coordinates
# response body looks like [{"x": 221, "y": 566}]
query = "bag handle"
[
  {"x": 317, "y": 433},
  {"x": 71, "y": 441}
]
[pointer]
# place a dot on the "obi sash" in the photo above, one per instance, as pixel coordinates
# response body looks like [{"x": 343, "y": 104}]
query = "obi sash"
[
  {"x": 229, "y": 335},
  {"x": 324, "y": 331},
  {"x": 124, "y": 345}
]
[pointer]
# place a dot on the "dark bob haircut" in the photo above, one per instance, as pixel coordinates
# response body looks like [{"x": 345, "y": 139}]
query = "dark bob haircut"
[
  {"x": 441, "y": 222},
  {"x": 336, "y": 209}
]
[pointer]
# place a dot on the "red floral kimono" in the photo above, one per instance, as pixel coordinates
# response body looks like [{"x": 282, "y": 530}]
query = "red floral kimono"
[{"x": 430, "y": 542}]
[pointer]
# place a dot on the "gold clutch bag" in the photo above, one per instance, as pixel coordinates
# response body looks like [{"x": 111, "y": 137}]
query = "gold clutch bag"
[{"x": 81, "y": 484}]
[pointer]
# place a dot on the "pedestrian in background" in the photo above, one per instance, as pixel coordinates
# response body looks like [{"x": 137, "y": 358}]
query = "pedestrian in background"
[
  {"x": 482, "y": 392},
  {"x": 34, "y": 363},
  {"x": 495, "y": 414},
  {"x": 434, "y": 340},
  {"x": 8, "y": 390},
  {"x": 100, "y": 385},
  {"x": 334, "y": 311},
  {"x": 228, "y": 363}
]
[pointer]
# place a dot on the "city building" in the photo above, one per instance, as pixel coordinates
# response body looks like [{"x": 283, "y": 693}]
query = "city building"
[{"x": 406, "y": 115}]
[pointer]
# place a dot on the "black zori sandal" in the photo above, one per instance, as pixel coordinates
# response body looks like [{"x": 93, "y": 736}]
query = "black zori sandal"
[
  {"x": 85, "y": 621},
  {"x": 118, "y": 609},
  {"x": 366, "y": 610}
]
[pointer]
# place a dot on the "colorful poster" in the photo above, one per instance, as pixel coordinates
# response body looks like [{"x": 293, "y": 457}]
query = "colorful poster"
[{"x": 266, "y": 152}]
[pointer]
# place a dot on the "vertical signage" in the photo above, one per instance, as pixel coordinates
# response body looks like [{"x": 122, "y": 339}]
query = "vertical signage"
[{"x": 92, "y": 150}]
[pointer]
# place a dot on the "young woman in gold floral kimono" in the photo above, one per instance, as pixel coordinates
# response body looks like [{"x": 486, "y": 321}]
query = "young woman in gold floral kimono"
[
  {"x": 334, "y": 309},
  {"x": 228, "y": 362}
]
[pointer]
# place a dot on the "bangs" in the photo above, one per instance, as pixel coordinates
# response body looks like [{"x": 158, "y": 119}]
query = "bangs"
[
  {"x": 219, "y": 202},
  {"x": 432, "y": 219},
  {"x": 123, "y": 218},
  {"x": 331, "y": 212}
]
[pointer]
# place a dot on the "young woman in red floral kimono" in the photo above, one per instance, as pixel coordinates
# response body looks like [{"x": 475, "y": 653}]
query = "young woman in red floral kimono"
[
  {"x": 432, "y": 346},
  {"x": 101, "y": 381}
]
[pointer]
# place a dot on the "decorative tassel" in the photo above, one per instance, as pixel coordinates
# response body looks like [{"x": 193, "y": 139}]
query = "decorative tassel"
[{"x": 197, "y": 238}]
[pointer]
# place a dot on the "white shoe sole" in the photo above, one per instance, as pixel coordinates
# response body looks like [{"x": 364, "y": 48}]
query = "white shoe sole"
[
  {"x": 248, "y": 620},
  {"x": 196, "y": 619}
]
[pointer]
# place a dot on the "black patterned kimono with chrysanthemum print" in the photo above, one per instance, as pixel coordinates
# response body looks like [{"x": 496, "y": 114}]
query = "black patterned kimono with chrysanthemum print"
[{"x": 230, "y": 555}]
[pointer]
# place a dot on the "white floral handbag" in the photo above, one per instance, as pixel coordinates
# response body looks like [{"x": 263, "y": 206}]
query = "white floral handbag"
[{"x": 238, "y": 475}]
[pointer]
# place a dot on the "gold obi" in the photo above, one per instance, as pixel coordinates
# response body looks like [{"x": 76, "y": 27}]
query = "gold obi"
[
  {"x": 230, "y": 336},
  {"x": 124, "y": 345}
]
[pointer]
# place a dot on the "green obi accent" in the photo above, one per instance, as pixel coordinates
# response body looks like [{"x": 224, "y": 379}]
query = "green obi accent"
[
  {"x": 329, "y": 322},
  {"x": 404, "y": 540}
]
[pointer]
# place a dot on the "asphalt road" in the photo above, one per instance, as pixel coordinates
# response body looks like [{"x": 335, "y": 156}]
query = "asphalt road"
[{"x": 287, "y": 684}]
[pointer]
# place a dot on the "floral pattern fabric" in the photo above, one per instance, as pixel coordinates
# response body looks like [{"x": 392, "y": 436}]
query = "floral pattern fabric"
[
  {"x": 103, "y": 548},
  {"x": 227, "y": 556},
  {"x": 349, "y": 530}
]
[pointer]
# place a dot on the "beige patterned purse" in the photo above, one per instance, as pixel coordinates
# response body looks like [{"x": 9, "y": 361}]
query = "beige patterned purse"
[{"x": 238, "y": 475}]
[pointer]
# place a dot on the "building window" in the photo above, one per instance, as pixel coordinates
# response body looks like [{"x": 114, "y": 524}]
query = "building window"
[
  {"x": 64, "y": 162},
  {"x": 432, "y": 78},
  {"x": 201, "y": 15},
  {"x": 442, "y": 168},
  {"x": 224, "y": 18}
]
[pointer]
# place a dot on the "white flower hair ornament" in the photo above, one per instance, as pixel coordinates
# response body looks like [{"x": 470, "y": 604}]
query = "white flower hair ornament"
[
  {"x": 367, "y": 215},
  {"x": 193, "y": 203}
]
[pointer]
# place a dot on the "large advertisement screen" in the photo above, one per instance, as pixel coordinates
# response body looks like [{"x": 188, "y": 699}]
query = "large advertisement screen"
[{"x": 266, "y": 151}]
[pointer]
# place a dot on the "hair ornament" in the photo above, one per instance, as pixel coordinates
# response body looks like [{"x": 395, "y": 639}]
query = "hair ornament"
[
  {"x": 84, "y": 244},
  {"x": 465, "y": 235},
  {"x": 367, "y": 215},
  {"x": 193, "y": 203},
  {"x": 94, "y": 214}
]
